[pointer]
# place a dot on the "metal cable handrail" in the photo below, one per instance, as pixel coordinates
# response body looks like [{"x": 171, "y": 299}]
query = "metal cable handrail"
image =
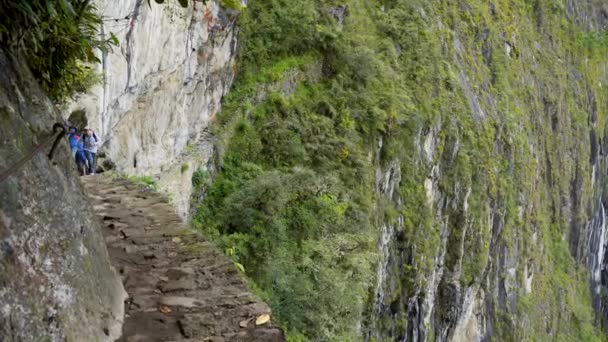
[{"x": 58, "y": 132}]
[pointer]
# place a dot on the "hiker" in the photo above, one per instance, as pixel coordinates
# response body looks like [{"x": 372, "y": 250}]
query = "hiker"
[
  {"x": 81, "y": 159},
  {"x": 89, "y": 142},
  {"x": 73, "y": 138}
]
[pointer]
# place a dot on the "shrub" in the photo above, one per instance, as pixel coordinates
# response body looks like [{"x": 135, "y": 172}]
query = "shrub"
[
  {"x": 58, "y": 39},
  {"x": 199, "y": 178},
  {"x": 147, "y": 181},
  {"x": 184, "y": 167}
]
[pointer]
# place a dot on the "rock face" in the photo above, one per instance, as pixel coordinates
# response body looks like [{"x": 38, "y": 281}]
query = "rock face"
[
  {"x": 591, "y": 14},
  {"x": 56, "y": 282},
  {"x": 161, "y": 88},
  {"x": 504, "y": 264}
]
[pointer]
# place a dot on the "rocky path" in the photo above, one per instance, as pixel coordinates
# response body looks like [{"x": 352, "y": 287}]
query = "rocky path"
[{"x": 180, "y": 287}]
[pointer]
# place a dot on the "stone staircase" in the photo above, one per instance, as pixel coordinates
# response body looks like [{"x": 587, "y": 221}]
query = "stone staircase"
[{"x": 180, "y": 287}]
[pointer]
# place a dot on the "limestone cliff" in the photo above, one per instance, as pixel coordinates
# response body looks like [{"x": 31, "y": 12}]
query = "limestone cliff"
[
  {"x": 161, "y": 88},
  {"x": 56, "y": 282}
]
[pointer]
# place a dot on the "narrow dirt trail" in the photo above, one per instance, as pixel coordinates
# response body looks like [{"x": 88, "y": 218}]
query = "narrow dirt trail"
[{"x": 180, "y": 287}]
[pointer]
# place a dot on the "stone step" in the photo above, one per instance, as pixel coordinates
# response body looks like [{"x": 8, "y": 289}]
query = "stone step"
[{"x": 181, "y": 287}]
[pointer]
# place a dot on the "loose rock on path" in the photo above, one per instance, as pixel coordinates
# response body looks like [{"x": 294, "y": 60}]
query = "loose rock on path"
[{"x": 180, "y": 287}]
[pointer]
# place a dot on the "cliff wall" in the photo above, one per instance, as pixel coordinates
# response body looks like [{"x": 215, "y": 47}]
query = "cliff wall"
[
  {"x": 56, "y": 282},
  {"x": 161, "y": 88}
]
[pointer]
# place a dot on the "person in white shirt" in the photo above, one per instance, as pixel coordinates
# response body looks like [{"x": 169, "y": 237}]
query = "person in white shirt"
[{"x": 90, "y": 142}]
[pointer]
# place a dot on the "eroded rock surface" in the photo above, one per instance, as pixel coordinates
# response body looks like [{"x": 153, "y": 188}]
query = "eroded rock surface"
[
  {"x": 161, "y": 88},
  {"x": 56, "y": 282},
  {"x": 180, "y": 287}
]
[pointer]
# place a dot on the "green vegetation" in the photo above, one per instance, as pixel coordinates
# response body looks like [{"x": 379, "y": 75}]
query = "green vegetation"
[
  {"x": 200, "y": 178},
  {"x": 60, "y": 41},
  {"x": 293, "y": 200},
  {"x": 58, "y": 38},
  {"x": 232, "y": 4},
  {"x": 184, "y": 167},
  {"x": 146, "y": 181},
  {"x": 490, "y": 86}
]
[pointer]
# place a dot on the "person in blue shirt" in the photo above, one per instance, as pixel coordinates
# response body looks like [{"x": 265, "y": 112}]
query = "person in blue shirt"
[
  {"x": 73, "y": 138},
  {"x": 81, "y": 159}
]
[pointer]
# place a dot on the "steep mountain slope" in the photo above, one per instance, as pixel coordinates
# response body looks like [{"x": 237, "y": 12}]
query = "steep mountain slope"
[{"x": 467, "y": 137}]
